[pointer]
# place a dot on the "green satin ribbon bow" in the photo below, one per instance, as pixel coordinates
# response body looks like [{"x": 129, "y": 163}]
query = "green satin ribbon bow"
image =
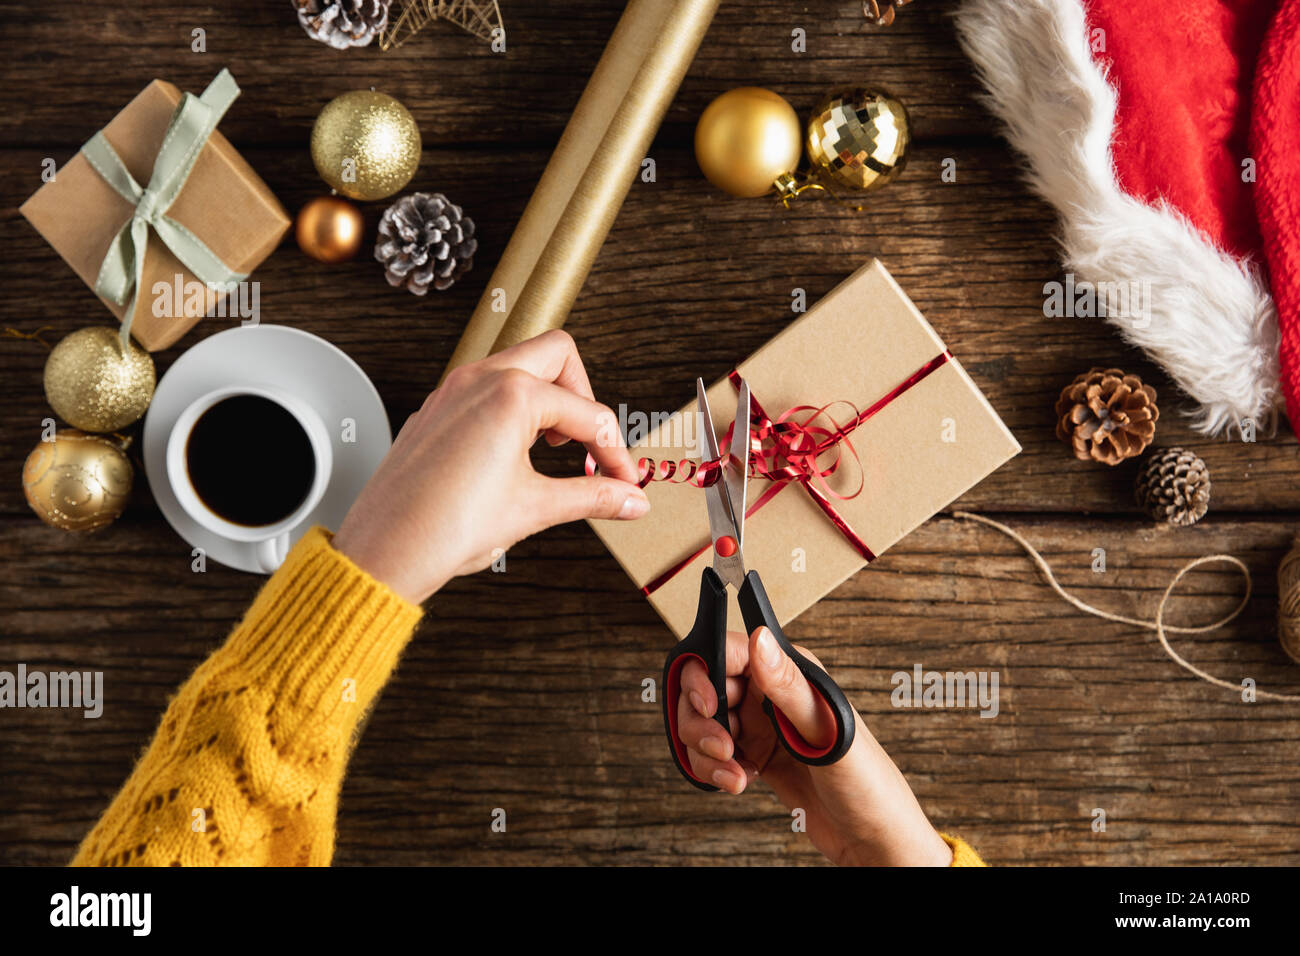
[{"x": 121, "y": 273}]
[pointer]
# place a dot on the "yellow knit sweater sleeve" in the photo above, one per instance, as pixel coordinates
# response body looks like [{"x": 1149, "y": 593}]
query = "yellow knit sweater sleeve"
[
  {"x": 962, "y": 852},
  {"x": 246, "y": 766}
]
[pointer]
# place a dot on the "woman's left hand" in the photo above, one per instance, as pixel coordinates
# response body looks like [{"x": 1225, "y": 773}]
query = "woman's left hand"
[{"x": 458, "y": 484}]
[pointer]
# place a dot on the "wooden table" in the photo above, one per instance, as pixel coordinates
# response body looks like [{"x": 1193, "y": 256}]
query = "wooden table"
[{"x": 522, "y": 689}]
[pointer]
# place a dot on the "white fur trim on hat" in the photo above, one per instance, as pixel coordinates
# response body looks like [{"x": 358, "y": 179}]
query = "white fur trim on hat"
[{"x": 1211, "y": 324}]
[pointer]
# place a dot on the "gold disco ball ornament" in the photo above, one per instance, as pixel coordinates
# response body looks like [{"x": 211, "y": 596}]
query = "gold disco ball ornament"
[
  {"x": 859, "y": 138},
  {"x": 365, "y": 145},
  {"x": 94, "y": 383},
  {"x": 747, "y": 142},
  {"x": 77, "y": 482}
]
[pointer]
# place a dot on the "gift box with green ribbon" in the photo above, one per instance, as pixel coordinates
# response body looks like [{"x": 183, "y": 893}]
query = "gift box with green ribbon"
[{"x": 159, "y": 201}]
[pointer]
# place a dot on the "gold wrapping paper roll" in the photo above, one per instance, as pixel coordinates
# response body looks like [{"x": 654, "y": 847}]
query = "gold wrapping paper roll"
[
  {"x": 626, "y": 50},
  {"x": 578, "y": 197}
]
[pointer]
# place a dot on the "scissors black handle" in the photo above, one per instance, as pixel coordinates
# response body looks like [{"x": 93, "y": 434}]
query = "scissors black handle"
[
  {"x": 707, "y": 643},
  {"x": 757, "y": 612}
]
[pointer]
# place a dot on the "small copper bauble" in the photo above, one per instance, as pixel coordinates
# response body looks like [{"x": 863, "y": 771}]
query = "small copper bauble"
[
  {"x": 365, "y": 145},
  {"x": 859, "y": 138},
  {"x": 94, "y": 383},
  {"x": 329, "y": 229},
  {"x": 76, "y": 481},
  {"x": 746, "y": 140}
]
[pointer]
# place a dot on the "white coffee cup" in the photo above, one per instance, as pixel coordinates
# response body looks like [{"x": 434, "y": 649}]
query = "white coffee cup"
[{"x": 271, "y": 541}]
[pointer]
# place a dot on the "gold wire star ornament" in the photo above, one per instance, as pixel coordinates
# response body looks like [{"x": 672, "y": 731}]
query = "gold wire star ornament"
[{"x": 482, "y": 19}]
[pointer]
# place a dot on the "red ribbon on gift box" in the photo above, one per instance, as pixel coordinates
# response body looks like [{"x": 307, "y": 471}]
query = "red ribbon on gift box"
[{"x": 785, "y": 451}]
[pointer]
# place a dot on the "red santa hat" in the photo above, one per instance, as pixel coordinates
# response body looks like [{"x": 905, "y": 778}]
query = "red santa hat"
[{"x": 1167, "y": 137}]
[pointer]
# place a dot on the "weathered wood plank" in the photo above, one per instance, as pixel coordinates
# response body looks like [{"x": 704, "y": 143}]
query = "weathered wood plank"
[
  {"x": 522, "y": 691},
  {"x": 458, "y": 90}
]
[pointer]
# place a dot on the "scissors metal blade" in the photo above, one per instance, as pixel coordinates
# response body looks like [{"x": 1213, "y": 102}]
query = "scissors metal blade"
[
  {"x": 737, "y": 471},
  {"x": 727, "y": 560},
  {"x": 708, "y": 438}
]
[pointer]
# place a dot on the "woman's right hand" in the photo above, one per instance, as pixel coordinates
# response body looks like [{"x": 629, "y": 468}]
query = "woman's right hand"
[
  {"x": 457, "y": 484},
  {"x": 859, "y": 810}
]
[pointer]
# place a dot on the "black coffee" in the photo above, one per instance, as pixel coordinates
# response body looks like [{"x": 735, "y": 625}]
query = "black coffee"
[{"x": 250, "y": 461}]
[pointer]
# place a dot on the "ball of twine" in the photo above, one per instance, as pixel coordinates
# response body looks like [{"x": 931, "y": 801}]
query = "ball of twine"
[{"x": 1288, "y": 601}]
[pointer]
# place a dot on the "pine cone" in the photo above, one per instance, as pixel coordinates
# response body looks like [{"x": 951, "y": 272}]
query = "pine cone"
[
  {"x": 1107, "y": 416},
  {"x": 881, "y": 12},
  {"x": 1174, "y": 487},
  {"x": 343, "y": 23},
  {"x": 425, "y": 240}
]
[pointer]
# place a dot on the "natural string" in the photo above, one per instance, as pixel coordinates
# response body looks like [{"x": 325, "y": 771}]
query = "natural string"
[{"x": 1158, "y": 625}]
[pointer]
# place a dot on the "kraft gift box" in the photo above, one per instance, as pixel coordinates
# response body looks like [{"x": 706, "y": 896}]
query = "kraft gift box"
[
  {"x": 224, "y": 202},
  {"x": 931, "y": 436}
]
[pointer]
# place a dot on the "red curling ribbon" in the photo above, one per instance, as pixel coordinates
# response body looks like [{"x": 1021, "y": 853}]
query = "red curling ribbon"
[{"x": 785, "y": 451}]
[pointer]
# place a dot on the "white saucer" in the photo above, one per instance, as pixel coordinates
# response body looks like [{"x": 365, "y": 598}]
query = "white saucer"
[{"x": 293, "y": 361}]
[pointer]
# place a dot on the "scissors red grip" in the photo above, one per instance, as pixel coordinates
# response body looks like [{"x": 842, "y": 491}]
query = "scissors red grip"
[{"x": 707, "y": 643}]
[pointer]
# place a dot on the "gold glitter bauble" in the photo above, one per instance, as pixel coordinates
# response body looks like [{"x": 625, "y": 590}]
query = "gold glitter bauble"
[
  {"x": 77, "y": 482},
  {"x": 365, "y": 144},
  {"x": 94, "y": 384},
  {"x": 859, "y": 138},
  {"x": 329, "y": 229},
  {"x": 746, "y": 139}
]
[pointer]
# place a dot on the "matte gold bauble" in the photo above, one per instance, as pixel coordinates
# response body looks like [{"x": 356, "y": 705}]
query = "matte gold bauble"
[
  {"x": 859, "y": 138},
  {"x": 77, "y": 482},
  {"x": 365, "y": 144},
  {"x": 95, "y": 384},
  {"x": 329, "y": 229},
  {"x": 747, "y": 139}
]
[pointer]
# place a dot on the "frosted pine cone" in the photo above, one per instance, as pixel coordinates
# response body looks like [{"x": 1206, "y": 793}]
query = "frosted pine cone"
[
  {"x": 343, "y": 23},
  {"x": 425, "y": 240}
]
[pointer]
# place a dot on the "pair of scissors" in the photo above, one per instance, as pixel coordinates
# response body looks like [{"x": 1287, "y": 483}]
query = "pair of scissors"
[{"x": 707, "y": 640}]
